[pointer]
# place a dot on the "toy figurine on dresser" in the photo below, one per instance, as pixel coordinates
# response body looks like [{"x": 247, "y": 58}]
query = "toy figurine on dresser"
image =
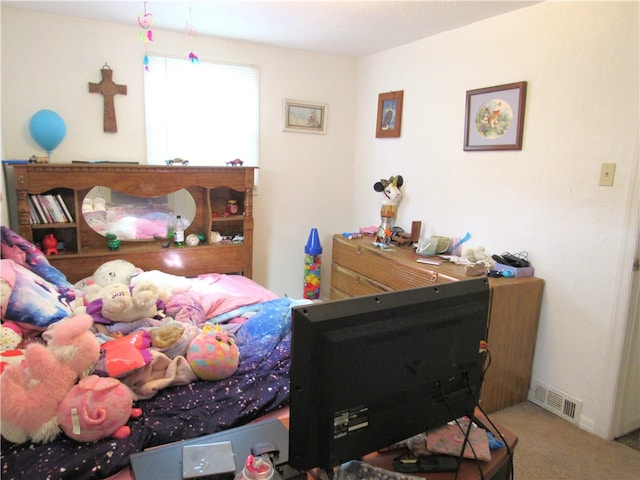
[{"x": 391, "y": 196}]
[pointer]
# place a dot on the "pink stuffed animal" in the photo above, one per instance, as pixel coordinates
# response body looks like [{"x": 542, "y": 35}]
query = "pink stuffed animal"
[
  {"x": 33, "y": 389},
  {"x": 97, "y": 408}
]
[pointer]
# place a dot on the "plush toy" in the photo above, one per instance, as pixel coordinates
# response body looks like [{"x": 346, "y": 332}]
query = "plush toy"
[
  {"x": 114, "y": 271},
  {"x": 173, "y": 338},
  {"x": 10, "y": 336},
  {"x": 167, "y": 283},
  {"x": 33, "y": 389},
  {"x": 213, "y": 355},
  {"x": 124, "y": 355},
  {"x": 390, "y": 200},
  {"x": 10, "y": 340},
  {"x": 97, "y": 408},
  {"x": 122, "y": 304}
]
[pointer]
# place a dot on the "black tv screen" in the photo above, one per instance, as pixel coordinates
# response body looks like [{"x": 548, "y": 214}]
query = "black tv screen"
[{"x": 368, "y": 372}]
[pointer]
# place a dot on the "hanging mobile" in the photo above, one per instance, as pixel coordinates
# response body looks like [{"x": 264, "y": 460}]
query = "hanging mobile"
[
  {"x": 192, "y": 32},
  {"x": 146, "y": 34}
]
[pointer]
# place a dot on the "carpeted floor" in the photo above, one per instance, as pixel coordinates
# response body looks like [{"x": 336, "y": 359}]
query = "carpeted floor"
[
  {"x": 631, "y": 439},
  {"x": 550, "y": 448}
]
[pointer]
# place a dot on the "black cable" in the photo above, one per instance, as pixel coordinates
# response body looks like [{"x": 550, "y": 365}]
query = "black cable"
[
  {"x": 506, "y": 444},
  {"x": 466, "y": 434},
  {"x": 487, "y": 362}
]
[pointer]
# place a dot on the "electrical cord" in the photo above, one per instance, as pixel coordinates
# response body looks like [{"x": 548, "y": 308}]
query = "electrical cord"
[
  {"x": 496, "y": 430},
  {"x": 466, "y": 442}
]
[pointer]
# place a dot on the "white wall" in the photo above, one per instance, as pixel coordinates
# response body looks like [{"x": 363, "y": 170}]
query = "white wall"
[
  {"x": 581, "y": 64},
  {"x": 47, "y": 62}
]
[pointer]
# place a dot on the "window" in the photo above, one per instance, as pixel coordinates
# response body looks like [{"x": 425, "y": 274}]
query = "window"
[{"x": 205, "y": 113}]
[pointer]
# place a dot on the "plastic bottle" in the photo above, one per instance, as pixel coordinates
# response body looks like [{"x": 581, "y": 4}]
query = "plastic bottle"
[
  {"x": 178, "y": 234},
  {"x": 171, "y": 225},
  {"x": 312, "y": 263},
  {"x": 258, "y": 468}
]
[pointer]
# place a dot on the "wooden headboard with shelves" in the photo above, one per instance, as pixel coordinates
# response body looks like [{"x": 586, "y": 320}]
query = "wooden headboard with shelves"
[{"x": 85, "y": 249}]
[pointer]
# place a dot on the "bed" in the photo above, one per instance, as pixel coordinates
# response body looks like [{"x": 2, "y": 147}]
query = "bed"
[{"x": 174, "y": 406}]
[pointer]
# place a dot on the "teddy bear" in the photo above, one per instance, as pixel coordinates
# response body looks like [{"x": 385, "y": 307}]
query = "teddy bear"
[
  {"x": 109, "y": 273},
  {"x": 97, "y": 408},
  {"x": 33, "y": 389},
  {"x": 120, "y": 303}
]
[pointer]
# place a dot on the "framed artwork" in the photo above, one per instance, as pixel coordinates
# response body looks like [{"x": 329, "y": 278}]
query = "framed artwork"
[
  {"x": 494, "y": 117},
  {"x": 389, "y": 114},
  {"x": 306, "y": 117}
]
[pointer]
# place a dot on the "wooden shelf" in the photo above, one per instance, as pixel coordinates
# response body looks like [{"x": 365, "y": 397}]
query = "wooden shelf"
[{"x": 210, "y": 187}]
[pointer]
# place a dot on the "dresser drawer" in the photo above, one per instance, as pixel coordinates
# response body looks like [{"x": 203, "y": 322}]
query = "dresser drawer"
[
  {"x": 353, "y": 284},
  {"x": 384, "y": 267}
]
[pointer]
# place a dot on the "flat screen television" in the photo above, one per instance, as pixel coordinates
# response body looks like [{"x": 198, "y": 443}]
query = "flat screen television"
[{"x": 368, "y": 372}]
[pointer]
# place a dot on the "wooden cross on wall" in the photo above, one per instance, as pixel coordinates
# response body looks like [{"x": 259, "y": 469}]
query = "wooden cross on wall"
[{"x": 108, "y": 88}]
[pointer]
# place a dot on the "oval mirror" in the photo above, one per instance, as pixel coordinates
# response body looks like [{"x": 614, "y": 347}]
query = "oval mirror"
[{"x": 134, "y": 218}]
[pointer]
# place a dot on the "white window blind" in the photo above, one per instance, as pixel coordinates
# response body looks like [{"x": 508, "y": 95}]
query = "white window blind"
[{"x": 205, "y": 113}]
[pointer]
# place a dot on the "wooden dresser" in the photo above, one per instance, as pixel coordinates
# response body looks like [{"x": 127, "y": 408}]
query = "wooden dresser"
[{"x": 360, "y": 268}]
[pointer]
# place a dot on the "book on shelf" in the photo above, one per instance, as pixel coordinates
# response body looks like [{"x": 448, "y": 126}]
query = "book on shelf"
[
  {"x": 66, "y": 211},
  {"x": 34, "y": 210},
  {"x": 48, "y": 208},
  {"x": 54, "y": 210}
]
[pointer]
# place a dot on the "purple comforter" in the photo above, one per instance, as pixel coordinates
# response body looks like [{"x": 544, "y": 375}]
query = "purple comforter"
[{"x": 260, "y": 386}]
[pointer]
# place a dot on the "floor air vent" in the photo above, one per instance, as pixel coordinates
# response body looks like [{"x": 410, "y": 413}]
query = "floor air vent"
[{"x": 556, "y": 402}]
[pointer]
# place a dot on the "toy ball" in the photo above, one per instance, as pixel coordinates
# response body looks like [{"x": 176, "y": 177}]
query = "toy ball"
[
  {"x": 48, "y": 129},
  {"x": 213, "y": 355}
]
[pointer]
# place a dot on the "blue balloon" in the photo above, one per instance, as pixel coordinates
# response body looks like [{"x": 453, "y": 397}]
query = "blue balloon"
[{"x": 47, "y": 129}]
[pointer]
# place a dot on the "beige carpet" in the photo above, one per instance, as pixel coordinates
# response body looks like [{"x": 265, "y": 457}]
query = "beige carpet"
[{"x": 550, "y": 448}]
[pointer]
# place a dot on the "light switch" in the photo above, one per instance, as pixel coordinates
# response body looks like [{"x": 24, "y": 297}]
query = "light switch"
[{"x": 607, "y": 172}]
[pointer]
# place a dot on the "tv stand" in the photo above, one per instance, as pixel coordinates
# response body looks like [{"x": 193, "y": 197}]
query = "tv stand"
[{"x": 498, "y": 468}]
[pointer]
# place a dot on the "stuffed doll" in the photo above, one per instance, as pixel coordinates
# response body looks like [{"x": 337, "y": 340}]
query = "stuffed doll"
[
  {"x": 214, "y": 354},
  {"x": 97, "y": 408},
  {"x": 33, "y": 389},
  {"x": 390, "y": 200}
]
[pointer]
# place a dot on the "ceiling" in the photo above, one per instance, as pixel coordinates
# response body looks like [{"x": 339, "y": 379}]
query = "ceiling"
[{"x": 350, "y": 28}]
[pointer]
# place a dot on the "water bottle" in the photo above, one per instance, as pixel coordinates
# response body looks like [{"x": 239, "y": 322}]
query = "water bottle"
[
  {"x": 171, "y": 225},
  {"x": 312, "y": 263},
  {"x": 258, "y": 468},
  {"x": 178, "y": 234}
]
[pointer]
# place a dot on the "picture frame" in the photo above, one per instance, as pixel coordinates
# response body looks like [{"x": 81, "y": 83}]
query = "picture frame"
[
  {"x": 305, "y": 117},
  {"x": 494, "y": 117},
  {"x": 389, "y": 123}
]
